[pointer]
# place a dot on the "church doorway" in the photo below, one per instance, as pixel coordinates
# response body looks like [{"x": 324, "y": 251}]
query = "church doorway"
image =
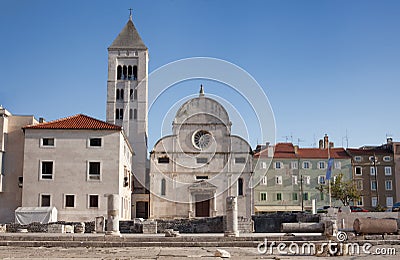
[
  {"x": 203, "y": 208},
  {"x": 142, "y": 209}
]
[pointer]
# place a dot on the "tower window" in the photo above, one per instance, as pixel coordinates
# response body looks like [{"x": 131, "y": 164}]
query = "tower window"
[
  {"x": 129, "y": 72},
  {"x": 119, "y": 72},
  {"x": 130, "y": 113},
  {"x": 135, "y": 114},
  {"x": 119, "y": 113},
  {"x": 124, "y": 73},
  {"x": 163, "y": 187},
  {"x": 117, "y": 95},
  {"x": 135, "y": 94},
  {"x": 240, "y": 187},
  {"x": 131, "y": 94},
  {"x": 134, "y": 72},
  {"x": 121, "y": 94}
]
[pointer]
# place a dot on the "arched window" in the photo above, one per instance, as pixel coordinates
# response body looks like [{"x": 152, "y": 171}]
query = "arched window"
[
  {"x": 121, "y": 94},
  {"x": 119, "y": 72},
  {"x": 117, "y": 113},
  {"x": 129, "y": 72},
  {"x": 130, "y": 113},
  {"x": 134, "y": 72},
  {"x": 163, "y": 188},
  {"x": 135, "y": 94},
  {"x": 121, "y": 114},
  {"x": 240, "y": 187},
  {"x": 131, "y": 93},
  {"x": 117, "y": 93},
  {"x": 135, "y": 114},
  {"x": 124, "y": 72}
]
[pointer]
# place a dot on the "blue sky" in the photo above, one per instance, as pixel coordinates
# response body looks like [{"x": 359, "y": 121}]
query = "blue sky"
[{"x": 326, "y": 66}]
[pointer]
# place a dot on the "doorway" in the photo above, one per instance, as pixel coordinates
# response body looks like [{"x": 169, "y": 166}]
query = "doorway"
[
  {"x": 142, "y": 209},
  {"x": 203, "y": 208}
]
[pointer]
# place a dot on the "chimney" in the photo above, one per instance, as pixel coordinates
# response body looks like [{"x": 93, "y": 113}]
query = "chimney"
[
  {"x": 326, "y": 141},
  {"x": 321, "y": 144},
  {"x": 330, "y": 144},
  {"x": 389, "y": 140},
  {"x": 41, "y": 120},
  {"x": 296, "y": 149}
]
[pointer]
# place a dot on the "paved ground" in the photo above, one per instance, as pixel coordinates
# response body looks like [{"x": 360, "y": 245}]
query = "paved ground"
[{"x": 159, "y": 253}]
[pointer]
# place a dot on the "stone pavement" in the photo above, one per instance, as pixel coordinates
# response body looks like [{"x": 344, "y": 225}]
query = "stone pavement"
[{"x": 161, "y": 253}]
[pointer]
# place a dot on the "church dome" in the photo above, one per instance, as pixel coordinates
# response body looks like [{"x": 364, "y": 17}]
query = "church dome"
[{"x": 202, "y": 110}]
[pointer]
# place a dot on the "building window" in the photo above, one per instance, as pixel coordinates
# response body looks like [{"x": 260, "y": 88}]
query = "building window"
[
  {"x": 372, "y": 170},
  {"x": 306, "y": 165},
  {"x": 294, "y": 180},
  {"x": 69, "y": 201},
  {"x": 264, "y": 180},
  {"x": 163, "y": 187},
  {"x": 321, "y": 165},
  {"x": 240, "y": 187},
  {"x": 278, "y": 165},
  {"x": 374, "y": 201},
  {"x": 119, "y": 113},
  {"x": 358, "y": 170},
  {"x": 163, "y": 159},
  {"x": 307, "y": 180},
  {"x": 135, "y": 94},
  {"x": 305, "y": 196},
  {"x": 135, "y": 113},
  {"x": 387, "y": 158},
  {"x": 201, "y": 160},
  {"x": 388, "y": 170},
  {"x": 47, "y": 170},
  {"x": 338, "y": 165},
  {"x": 240, "y": 160},
  {"x": 131, "y": 94},
  {"x": 95, "y": 142},
  {"x": 373, "y": 185},
  {"x": 263, "y": 165},
  {"x": 321, "y": 179},
  {"x": 389, "y": 201},
  {"x": 47, "y": 142},
  {"x": 279, "y": 196},
  {"x": 359, "y": 184},
  {"x": 263, "y": 196},
  {"x": 295, "y": 196},
  {"x": 130, "y": 113},
  {"x": 201, "y": 177},
  {"x": 94, "y": 171},
  {"x": 388, "y": 184},
  {"x": 45, "y": 200},
  {"x": 360, "y": 202},
  {"x": 93, "y": 201},
  {"x": 278, "y": 180},
  {"x": 357, "y": 158},
  {"x": 294, "y": 165}
]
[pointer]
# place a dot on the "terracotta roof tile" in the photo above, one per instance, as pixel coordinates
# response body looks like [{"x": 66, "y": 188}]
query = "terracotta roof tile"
[
  {"x": 75, "y": 122},
  {"x": 287, "y": 150}
]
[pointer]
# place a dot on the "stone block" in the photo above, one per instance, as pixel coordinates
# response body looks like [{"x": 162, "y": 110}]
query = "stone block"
[
  {"x": 3, "y": 228},
  {"x": 79, "y": 228},
  {"x": 222, "y": 253},
  {"x": 149, "y": 227},
  {"x": 68, "y": 229},
  {"x": 171, "y": 233},
  {"x": 55, "y": 228},
  {"x": 373, "y": 237},
  {"x": 99, "y": 224}
]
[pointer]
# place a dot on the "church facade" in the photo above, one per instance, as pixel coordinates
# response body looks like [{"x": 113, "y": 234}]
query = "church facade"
[{"x": 195, "y": 169}]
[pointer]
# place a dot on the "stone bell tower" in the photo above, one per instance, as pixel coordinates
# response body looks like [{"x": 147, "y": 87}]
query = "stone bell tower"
[{"x": 127, "y": 88}]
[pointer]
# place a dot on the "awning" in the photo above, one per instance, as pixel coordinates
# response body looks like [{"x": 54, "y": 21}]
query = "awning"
[
  {"x": 277, "y": 208},
  {"x": 27, "y": 215}
]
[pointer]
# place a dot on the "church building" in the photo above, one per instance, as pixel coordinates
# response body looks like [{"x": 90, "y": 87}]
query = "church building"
[{"x": 195, "y": 169}]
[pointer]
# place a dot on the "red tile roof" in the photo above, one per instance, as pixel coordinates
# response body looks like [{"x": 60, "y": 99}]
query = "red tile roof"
[
  {"x": 360, "y": 151},
  {"x": 287, "y": 150},
  {"x": 75, "y": 122}
]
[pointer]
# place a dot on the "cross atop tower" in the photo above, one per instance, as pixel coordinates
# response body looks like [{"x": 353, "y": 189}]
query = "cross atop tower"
[{"x": 130, "y": 13}]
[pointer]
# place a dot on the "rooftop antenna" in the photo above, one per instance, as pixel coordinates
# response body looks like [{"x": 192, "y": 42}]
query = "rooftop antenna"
[
  {"x": 130, "y": 13},
  {"x": 299, "y": 141}
]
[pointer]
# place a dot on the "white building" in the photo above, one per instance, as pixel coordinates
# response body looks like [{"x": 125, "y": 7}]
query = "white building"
[
  {"x": 127, "y": 104},
  {"x": 73, "y": 163},
  {"x": 11, "y": 161},
  {"x": 195, "y": 169}
]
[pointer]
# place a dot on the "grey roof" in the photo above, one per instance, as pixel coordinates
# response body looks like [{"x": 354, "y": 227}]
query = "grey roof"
[{"x": 128, "y": 38}]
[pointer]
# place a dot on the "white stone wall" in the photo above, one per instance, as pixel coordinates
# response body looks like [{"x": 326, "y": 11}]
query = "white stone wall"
[
  {"x": 11, "y": 162},
  {"x": 70, "y": 157}
]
